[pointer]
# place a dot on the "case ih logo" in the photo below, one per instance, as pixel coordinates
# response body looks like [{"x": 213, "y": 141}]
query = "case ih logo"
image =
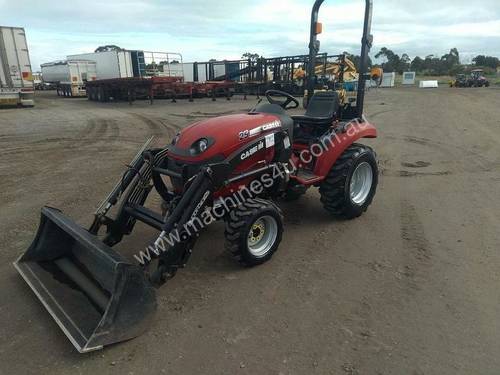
[
  {"x": 270, "y": 125},
  {"x": 246, "y": 154}
]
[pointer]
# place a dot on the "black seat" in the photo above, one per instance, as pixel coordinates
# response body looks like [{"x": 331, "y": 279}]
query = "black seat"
[
  {"x": 322, "y": 110},
  {"x": 323, "y": 107}
]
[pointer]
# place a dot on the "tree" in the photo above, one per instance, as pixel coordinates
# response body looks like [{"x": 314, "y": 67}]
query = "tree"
[
  {"x": 486, "y": 61},
  {"x": 431, "y": 63},
  {"x": 386, "y": 53},
  {"x": 393, "y": 61},
  {"x": 405, "y": 62},
  {"x": 250, "y": 56},
  {"x": 417, "y": 64},
  {"x": 109, "y": 47},
  {"x": 450, "y": 61}
]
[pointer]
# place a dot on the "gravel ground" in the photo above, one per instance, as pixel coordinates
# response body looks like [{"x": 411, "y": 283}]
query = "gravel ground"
[{"x": 411, "y": 287}]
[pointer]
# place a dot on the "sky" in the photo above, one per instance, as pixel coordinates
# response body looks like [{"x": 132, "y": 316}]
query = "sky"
[{"x": 225, "y": 29}]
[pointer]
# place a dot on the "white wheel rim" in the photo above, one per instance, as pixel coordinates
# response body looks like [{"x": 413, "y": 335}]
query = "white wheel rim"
[
  {"x": 361, "y": 183},
  {"x": 262, "y": 235}
]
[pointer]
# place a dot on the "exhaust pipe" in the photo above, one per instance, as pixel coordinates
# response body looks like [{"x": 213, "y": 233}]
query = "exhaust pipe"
[{"x": 94, "y": 295}]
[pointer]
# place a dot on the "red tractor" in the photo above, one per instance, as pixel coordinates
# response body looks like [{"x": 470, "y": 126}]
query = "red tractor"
[
  {"x": 477, "y": 79},
  {"x": 233, "y": 168}
]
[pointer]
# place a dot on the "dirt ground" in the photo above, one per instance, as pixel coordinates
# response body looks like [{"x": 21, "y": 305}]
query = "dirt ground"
[{"x": 411, "y": 287}]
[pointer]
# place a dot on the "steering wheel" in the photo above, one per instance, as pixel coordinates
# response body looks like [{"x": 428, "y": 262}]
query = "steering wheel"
[{"x": 283, "y": 104}]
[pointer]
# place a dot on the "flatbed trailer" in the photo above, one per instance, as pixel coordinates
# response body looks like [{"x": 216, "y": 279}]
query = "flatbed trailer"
[
  {"x": 130, "y": 89},
  {"x": 191, "y": 90}
]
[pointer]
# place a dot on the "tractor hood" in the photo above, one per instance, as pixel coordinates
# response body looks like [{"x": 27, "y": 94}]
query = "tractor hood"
[{"x": 221, "y": 136}]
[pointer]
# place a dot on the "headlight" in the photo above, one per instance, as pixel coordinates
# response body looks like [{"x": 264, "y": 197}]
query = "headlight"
[
  {"x": 202, "y": 145},
  {"x": 199, "y": 146}
]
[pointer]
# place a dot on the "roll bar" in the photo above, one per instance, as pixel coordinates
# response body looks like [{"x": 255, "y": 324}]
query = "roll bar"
[{"x": 366, "y": 44}]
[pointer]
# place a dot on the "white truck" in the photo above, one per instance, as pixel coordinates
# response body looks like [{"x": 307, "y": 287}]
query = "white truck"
[
  {"x": 69, "y": 76},
  {"x": 16, "y": 81}
]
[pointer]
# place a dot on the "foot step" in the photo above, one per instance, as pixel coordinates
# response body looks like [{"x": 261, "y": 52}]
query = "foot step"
[{"x": 305, "y": 176}]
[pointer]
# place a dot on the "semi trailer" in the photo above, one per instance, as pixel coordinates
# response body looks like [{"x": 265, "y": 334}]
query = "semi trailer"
[
  {"x": 69, "y": 76},
  {"x": 16, "y": 80},
  {"x": 133, "y": 63},
  {"x": 113, "y": 64}
]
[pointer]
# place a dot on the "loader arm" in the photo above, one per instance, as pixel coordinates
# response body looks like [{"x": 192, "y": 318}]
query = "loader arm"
[{"x": 95, "y": 295}]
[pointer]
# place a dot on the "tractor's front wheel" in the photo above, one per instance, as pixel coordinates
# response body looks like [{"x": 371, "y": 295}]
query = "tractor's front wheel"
[
  {"x": 253, "y": 231},
  {"x": 350, "y": 186}
]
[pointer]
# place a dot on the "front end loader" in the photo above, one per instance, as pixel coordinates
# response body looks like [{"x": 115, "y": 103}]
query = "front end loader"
[{"x": 233, "y": 168}]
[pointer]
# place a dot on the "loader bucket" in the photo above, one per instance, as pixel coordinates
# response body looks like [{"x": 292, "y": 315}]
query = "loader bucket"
[{"x": 94, "y": 295}]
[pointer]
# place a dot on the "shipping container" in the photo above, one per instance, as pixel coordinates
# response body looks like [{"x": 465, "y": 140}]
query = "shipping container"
[
  {"x": 194, "y": 72},
  {"x": 219, "y": 70},
  {"x": 113, "y": 64},
  {"x": 69, "y": 76},
  {"x": 388, "y": 79},
  {"x": 409, "y": 78},
  {"x": 16, "y": 80}
]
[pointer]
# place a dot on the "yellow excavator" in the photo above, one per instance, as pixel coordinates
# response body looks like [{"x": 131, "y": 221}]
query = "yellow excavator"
[
  {"x": 331, "y": 74},
  {"x": 331, "y": 69}
]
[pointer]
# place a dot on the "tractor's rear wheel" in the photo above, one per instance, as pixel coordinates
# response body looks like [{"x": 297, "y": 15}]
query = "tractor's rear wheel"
[
  {"x": 253, "y": 231},
  {"x": 351, "y": 184}
]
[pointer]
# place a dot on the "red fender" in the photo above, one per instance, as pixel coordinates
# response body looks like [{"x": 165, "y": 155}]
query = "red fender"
[{"x": 334, "y": 146}]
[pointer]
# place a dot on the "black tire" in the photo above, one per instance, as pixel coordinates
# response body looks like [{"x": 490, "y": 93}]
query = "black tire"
[
  {"x": 335, "y": 189},
  {"x": 239, "y": 223}
]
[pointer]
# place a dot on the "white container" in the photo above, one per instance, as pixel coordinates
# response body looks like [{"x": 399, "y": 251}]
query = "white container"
[
  {"x": 428, "y": 84},
  {"x": 188, "y": 70},
  {"x": 388, "y": 80},
  {"x": 70, "y": 76},
  {"x": 110, "y": 64},
  {"x": 409, "y": 78},
  {"x": 219, "y": 69},
  {"x": 16, "y": 80}
]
